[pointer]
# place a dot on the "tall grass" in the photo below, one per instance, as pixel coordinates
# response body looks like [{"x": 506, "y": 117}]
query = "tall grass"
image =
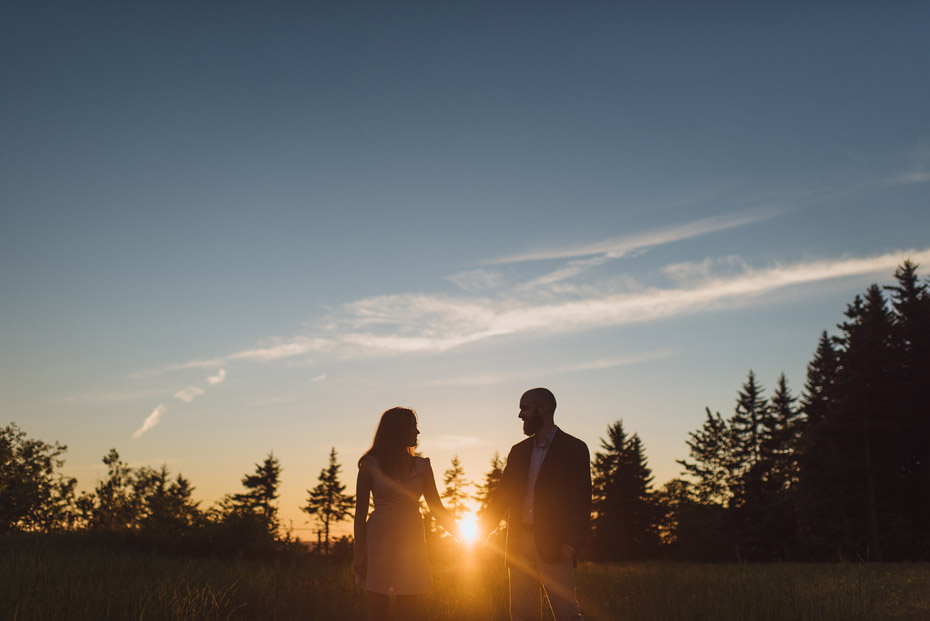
[
  {"x": 67, "y": 578},
  {"x": 674, "y": 591},
  {"x": 49, "y": 579}
]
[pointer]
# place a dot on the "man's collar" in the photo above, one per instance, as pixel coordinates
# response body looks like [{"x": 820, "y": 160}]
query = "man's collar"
[{"x": 548, "y": 439}]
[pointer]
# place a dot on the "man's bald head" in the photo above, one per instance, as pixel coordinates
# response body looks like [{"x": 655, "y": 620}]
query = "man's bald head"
[{"x": 541, "y": 398}]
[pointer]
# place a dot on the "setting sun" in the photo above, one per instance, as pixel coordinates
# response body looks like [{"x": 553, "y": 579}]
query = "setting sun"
[{"x": 468, "y": 528}]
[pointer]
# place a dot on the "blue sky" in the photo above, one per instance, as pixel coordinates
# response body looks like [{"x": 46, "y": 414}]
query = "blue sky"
[{"x": 230, "y": 229}]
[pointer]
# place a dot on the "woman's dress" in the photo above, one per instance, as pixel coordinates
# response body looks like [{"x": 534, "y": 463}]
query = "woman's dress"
[{"x": 398, "y": 563}]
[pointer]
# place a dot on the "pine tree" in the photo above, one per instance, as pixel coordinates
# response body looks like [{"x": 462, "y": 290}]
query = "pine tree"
[
  {"x": 328, "y": 501},
  {"x": 262, "y": 491},
  {"x": 640, "y": 505},
  {"x": 821, "y": 503},
  {"x": 774, "y": 511},
  {"x": 910, "y": 303},
  {"x": 491, "y": 480},
  {"x": 712, "y": 461},
  {"x": 610, "y": 532},
  {"x": 748, "y": 422},
  {"x": 625, "y": 516},
  {"x": 168, "y": 506},
  {"x": 779, "y": 443},
  {"x": 454, "y": 493},
  {"x": 821, "y": 377},
  {"x": 863, "y": 404}
]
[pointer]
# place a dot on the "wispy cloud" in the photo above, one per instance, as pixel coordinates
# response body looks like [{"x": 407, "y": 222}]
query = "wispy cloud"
[
  {"x": 211, "y": 363},
  {"x": 420, "y": 323},
  {"x": 429, "y": 324},
  {"x": 478, "y": 281},
  {"x": 616, "y": 247},
  {"x": 570, "y": 270},
  {"x": 189, "y": 394},
  {"x": 692, "y": 272},
  {"x": 296, "y": 347},
  {"x": 151, "y": 420}
]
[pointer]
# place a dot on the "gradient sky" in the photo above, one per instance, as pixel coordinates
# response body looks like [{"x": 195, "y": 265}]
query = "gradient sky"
[{"x": 233, "y": 228}]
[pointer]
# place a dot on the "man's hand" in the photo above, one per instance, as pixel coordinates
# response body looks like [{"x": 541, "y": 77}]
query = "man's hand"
[{"x": 484, "y": 533}]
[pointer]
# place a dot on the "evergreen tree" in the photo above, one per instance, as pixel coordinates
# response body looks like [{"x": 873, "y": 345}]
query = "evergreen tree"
[
  {"x": 610, "y": 532},
  {"x": 625, "y": 517},
  {"x": 842, "y": 474},
  {"x": 454, "y": 493},
  {"x": 748, "y": 426},
  {"x": 861, "y": 415},
  {"x": 712, "y": 461},
  {"x": 491, "y": 480},
  {"x": 640, "y": 505},
  {"x": 821, "y": 509},
  {"x": 783, "y": 429},
  {"x": 328, "y": 501},
  {"x": 169, "y": 510},
  {"x": 821, "y": 377},
  {"x": 910, "y": 302},
  {"x": 261, "y": 493},
  {"x": 773, "y": 514},
  {"x": 743, "y": 466}
]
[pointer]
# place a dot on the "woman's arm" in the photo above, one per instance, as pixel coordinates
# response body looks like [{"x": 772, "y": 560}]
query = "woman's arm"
[
  {"x": 431, "y": 494},
  {"x": 362, "y": 494}
]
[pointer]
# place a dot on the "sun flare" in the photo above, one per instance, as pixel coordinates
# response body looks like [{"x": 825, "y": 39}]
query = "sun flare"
[{"x": 468, "y": 527}]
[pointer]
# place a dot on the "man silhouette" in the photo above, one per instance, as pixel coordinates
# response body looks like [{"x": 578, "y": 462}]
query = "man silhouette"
[{"x": 545, "y": 492}]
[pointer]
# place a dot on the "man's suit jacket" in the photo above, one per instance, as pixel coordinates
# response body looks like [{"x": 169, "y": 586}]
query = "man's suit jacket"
[{"x": 561, "y": 499}]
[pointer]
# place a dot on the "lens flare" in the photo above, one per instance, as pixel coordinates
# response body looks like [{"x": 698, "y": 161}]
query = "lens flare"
[{"x": 468, "y": 527}]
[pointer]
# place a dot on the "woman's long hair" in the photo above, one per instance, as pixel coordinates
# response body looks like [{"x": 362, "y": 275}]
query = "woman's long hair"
[{"x": 395, "y": 458}]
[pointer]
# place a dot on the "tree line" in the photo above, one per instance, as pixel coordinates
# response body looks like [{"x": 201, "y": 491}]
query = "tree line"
[
  {"x": 152, "y": 507},
  {"x": 840, "y": 471}
]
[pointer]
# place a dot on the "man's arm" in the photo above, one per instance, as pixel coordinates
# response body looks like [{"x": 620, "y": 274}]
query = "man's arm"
[{"x": 578, "y": 477}]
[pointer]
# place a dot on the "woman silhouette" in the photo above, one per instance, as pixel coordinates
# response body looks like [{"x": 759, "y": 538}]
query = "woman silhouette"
[{"x": 390, "y": 546}]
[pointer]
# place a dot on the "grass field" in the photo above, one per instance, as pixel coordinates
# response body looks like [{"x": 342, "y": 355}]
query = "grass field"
[{"x": 54, "y": 578}]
